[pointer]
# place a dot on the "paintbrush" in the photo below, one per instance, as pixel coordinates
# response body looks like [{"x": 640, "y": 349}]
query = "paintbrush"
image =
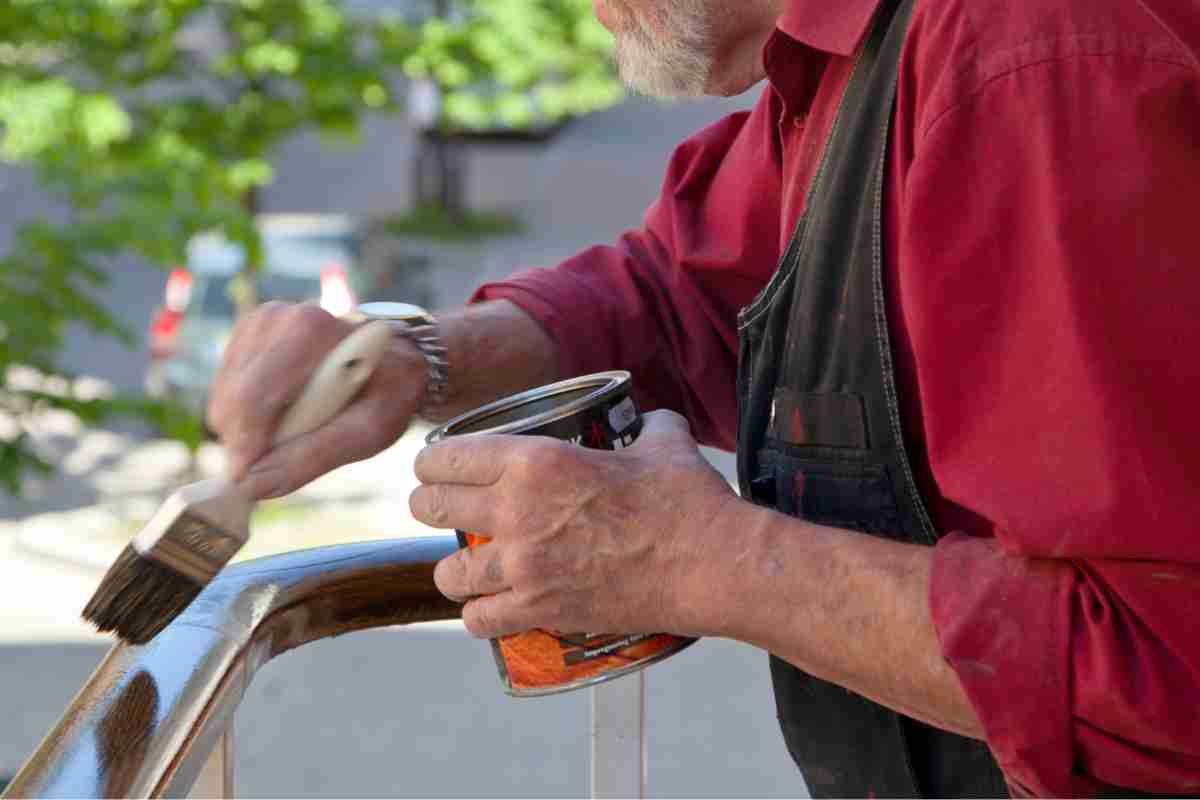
[{"x": 202, "y": 526}]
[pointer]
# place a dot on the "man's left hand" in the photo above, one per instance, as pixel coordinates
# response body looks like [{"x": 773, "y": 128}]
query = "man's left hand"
[{"x": 582, "y": 540}]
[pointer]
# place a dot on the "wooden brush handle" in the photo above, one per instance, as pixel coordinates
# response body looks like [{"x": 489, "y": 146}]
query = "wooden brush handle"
[{"x": 336, "y": 381}]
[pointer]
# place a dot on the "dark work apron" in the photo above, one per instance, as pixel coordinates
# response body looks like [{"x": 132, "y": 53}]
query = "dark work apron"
[{"x": 819, "y": 438}]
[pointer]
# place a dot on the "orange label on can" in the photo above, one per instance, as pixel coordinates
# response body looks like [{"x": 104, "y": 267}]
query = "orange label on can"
[{"x": 539, "y": 660}]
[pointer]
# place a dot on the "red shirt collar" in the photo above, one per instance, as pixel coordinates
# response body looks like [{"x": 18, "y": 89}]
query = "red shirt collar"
[{"x": 835, "y": 26}]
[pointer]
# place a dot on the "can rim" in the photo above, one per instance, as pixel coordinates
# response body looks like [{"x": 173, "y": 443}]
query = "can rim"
[{"x": 606, "y": 384}]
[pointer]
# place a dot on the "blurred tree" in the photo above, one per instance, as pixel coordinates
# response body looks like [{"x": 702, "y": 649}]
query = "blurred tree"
[
  {"x": 151, "y": 121},
  {"x": 499, "y": 71},
  {"x": 514, "y": 65}
]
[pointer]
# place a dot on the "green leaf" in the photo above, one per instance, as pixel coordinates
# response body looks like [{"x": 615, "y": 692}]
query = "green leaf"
[
  {"x": 35, "y": 116},
  {"x": 375, "y": 95},
  {"x": 272, "y": 56},
  {"x": 249, "y": 173},
  {"x": 103, "y": 121},
  {"x": 17, "y": 457}
]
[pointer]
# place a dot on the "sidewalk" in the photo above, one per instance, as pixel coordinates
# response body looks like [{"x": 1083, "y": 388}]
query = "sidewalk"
[{"x": 359, "y": 502}]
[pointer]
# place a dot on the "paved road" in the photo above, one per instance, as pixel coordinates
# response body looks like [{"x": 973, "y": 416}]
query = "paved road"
[
  {"x": 419, "y": 713},
  {"x": 406, "y": 712}
]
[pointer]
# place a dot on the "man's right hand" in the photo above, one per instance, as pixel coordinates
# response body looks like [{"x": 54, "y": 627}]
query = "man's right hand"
[{"x": 269, "y": 358}]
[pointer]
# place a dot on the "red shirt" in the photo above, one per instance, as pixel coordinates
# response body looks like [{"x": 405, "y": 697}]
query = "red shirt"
[{"x": 1041, "y": 216}]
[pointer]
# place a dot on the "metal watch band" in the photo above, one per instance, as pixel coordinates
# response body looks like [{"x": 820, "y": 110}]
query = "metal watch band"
[{"x": 419, "y": 327}]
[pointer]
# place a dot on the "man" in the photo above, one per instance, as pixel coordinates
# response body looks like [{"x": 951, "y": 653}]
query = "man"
[{"x": 974, "y": 349}]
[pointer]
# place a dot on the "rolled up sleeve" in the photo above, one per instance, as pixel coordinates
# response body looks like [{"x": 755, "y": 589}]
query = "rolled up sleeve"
[{"x": 1079, "y": 685}]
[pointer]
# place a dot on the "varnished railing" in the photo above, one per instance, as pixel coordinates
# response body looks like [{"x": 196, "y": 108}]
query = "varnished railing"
[{"x": 152, "y": 718}]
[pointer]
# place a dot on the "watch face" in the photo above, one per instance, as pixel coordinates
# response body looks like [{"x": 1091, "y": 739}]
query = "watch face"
[{"x": 406, "y": 312}]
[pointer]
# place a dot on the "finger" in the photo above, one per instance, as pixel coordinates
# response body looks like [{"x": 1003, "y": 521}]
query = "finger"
[
  {"x": 247, "y": 335},
  {"x": 371, "y": 422},
  {"x": 471, "y": 572},
  {"x": 663, "y": 426},
  {"x": 464, "y": 508},
  {"x": 472, "y": 460},
  {"x": 497, "y": 615},
  {"x": 269, "y": 382}
]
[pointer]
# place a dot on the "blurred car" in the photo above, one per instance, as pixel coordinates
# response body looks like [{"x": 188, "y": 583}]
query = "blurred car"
[{"x": 335, "y": 261}]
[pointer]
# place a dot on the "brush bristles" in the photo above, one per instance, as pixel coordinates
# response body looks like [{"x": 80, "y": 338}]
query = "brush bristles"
[{"x": 139, "y": 597}]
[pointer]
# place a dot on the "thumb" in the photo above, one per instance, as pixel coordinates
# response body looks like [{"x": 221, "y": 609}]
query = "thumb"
[{"x": 663, "y": 425}]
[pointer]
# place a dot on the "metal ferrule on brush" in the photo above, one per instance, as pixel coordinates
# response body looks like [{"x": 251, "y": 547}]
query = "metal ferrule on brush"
[{"x": 198, "y": 530}]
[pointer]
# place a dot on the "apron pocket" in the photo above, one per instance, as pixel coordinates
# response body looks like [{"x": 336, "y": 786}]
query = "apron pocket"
[{"x": 830, "y": 486}]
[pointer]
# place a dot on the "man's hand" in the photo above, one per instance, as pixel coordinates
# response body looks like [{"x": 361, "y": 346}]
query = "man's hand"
[
  {"x": 268, "y": 360},
  {"x": 583, "y": 540}
]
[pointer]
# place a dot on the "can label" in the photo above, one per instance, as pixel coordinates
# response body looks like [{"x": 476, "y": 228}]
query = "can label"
[{"x": 539, "y": 662}]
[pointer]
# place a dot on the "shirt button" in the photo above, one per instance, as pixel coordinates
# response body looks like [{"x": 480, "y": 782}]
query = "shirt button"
[{"x": 799, "y": 120}]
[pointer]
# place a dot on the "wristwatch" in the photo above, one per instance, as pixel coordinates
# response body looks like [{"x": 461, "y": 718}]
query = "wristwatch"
[{"x": 419, "y": 327}]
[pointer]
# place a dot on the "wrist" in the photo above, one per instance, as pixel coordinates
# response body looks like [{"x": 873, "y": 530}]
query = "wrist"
[
  {"x": 496, "y": 350},
  {"x": 714, "y": 587},
  {"x": 419, "y": 328},
  {"x": 407, "y": 363}
]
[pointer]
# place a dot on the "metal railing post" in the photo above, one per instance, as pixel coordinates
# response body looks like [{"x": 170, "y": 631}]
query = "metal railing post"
[
  {"x": 216, "y": 776},
  {"x": 619, "y": 737}
]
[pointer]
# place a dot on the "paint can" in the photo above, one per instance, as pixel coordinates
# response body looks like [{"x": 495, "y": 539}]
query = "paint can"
[{"x": 592, "y": 411}]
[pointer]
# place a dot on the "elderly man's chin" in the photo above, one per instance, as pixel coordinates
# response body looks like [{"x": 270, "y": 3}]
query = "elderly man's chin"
[
  {"x": 644, "y": 70},
  {"x": 672, "y": 63}
]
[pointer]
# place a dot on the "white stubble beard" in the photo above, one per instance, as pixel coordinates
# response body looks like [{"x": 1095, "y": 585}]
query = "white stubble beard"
[{"x": 675, "y": 65}]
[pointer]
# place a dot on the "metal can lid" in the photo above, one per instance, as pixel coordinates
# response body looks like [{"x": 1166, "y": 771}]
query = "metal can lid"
[{"x": 536, "y": 407}]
